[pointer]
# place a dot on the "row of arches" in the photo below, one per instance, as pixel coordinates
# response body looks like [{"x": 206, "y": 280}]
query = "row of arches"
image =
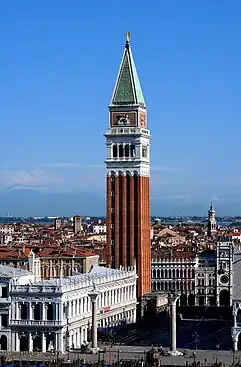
[
  {"x": 124, "y": 173},
  {"x": 37, "y": 311},
  {"x": 3, "y": 342},
  {"x": 24, "y": 345},
  {"x": 173, "y": 286},
  {"x": 123, "y": 150},
  {"x": 173, "y": 273},
  {"x": 57, "y": 271}
]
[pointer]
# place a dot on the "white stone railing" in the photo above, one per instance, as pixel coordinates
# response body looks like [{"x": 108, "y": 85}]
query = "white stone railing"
[
  {"x": 127, "y": 131},
  {"x": 35, "y": 289},
  {"x": 5, "y": 300},
  {"x": 75, "y": 282},
  {"x": 157, "y": 261},
  {"x": 36, "y": 322}
]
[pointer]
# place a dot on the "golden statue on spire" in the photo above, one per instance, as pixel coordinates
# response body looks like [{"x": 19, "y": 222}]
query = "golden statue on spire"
[{"x": 128, "y": 36}]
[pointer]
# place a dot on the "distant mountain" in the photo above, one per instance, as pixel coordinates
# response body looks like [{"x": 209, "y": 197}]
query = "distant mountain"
[
  {"x": 35, "y": 203},
  {"x": 20, "y": 202}
]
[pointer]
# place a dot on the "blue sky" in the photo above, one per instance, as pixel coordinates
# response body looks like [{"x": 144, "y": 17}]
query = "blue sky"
[{"x": 58, "y": 66}]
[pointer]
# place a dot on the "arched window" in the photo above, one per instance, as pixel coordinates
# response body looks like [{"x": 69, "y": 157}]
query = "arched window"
[
  {"x": 127, "y": 151},
  {"x": 121, "y": 153},
  {"x": 133, "y": 154},
  {"x": 115, "y": 153}
]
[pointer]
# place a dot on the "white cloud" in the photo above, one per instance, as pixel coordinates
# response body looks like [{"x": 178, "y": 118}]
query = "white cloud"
[
  {"x": 165, "y": 169},
  {"x": 71, "y": 165},
  {"x": 173, "y": 197},
  {"x": 27, "y": 179}
]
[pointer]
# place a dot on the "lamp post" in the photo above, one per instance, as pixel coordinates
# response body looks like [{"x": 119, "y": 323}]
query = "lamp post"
[{"x": 93, "y": 296}]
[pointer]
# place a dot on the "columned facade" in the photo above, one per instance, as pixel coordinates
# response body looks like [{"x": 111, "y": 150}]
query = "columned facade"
[
  {"x": 128, "y": 176},
  {"x": 56, "y": 316}
]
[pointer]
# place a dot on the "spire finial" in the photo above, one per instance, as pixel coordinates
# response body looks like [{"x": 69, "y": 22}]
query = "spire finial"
[{"x": 128, "y": 38}]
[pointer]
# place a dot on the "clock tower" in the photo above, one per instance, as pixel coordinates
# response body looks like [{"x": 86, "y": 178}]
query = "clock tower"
[{"x": 128, "y": 175}]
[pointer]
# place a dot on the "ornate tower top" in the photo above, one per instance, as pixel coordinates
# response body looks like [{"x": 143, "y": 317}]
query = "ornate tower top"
[
  {"x": 212, "y": 224},
  {"x": 127, "y": 89},
  {"x": 211, "y": 210}
]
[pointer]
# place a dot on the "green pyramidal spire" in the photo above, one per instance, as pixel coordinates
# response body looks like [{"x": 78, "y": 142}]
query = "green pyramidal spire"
[{"x": 128, "y": 88}]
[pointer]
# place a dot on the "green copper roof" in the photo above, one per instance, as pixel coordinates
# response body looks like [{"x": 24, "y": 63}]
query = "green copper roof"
[{"x": 127, "y": 89}]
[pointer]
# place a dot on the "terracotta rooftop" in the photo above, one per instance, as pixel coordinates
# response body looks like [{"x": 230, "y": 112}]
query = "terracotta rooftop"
[
  {"x": 172, "y": 254},
  {"x": 61, "y": 252},
  {"x": 6, "y": 253}
]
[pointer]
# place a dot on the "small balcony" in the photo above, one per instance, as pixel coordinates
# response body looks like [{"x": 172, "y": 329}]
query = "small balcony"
[
  {"x": 35, "y": 323},
  {"x": 126, "y": 131},
  {"x": 4, "y": 301}
]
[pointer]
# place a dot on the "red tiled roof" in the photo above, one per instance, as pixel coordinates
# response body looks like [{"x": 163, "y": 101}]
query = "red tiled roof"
[
  {"x": 172, "y": 254},
  {"x": 6, "y": 253},
  {"x": 61, "y": 252}
]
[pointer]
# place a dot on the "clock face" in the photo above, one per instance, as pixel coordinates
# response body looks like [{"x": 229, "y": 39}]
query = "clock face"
[{"x": 224, "y": 279}]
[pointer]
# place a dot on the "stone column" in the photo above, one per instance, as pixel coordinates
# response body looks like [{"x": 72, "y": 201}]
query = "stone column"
[
  {"x": 43, "y": 343},
  {"x": 13, "y": 341},
  {"x": 30, "y": 342},
  {"x": 61, "y": 313},
  {"x": 235, "y": 345},
  {"x": 235, "y": 318},
  {"x": 55, "y": 342},
  {"x": 173, "y": 312},
  {"x": 17, "y": 342},
  {"x": 19, "y": 306},
  {"x": 31, "y": 309},
  {"x": 43, "y": 311},
  {"x": 81, "y": 336},
  {"x": 60, "y": 344},
  {"x": 78, "y": 338},
  {"x": 93, "y": 296}
]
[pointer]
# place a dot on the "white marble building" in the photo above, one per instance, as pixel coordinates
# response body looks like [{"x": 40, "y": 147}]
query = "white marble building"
[
  {"x": 202, "y": 279},
  {"x": 236, "y": 329},
  {"x": 53, "y": 315}
]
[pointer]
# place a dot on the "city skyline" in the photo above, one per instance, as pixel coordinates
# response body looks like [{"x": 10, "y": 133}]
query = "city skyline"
[{"x": 56, "y": 68}]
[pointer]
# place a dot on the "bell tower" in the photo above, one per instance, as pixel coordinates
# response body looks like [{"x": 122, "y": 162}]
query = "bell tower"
[
  {"x": 128, "y": 175},
  {"x": 212, "y": 224}
]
